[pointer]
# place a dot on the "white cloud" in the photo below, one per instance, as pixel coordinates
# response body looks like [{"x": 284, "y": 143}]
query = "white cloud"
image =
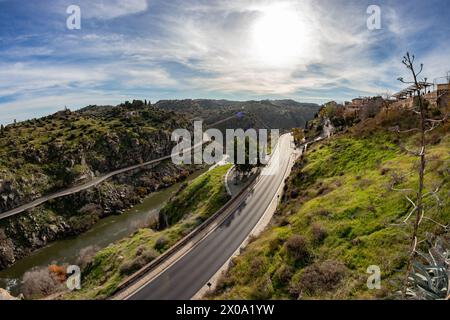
[
  {"x": 23, "y": 78},
  {"x": 112, "y": 8},
  {"x": 102, "y": 9},
  {"x": 224, "y": 50},
  {"x": 40, "y": 106},
  {"x": 214, "y": 43}
]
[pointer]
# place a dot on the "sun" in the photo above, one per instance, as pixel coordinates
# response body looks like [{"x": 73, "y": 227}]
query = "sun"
[{"x": 280, "y": 36}]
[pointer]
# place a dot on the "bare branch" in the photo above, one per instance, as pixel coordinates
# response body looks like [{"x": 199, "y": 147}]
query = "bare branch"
[
  {"x": 410, "y": 214},
  {"x": 397, "y": 130},
  {"x": 433, "y": 126},
  {"x": 403, "y": 190},
  {"x": 413, "y": 251},
  {"x": 420, "y": 71},
  {"x": 412, "y": 202},
  {"x": 435, "y": 195},
  {"x": 413, "y": 153},
  {"x": 437, "y": 223},
  {"x": 421, "y": 217},
  {"x": 437, "y": 120}
]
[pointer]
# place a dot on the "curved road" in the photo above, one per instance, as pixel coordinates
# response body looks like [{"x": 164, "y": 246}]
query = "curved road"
[{"x": 184, "y": 278}]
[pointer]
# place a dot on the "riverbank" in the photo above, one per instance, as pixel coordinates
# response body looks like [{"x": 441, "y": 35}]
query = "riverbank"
[
  {"x": 105, "y": 231},
  {"x": 193, "y": 203}
]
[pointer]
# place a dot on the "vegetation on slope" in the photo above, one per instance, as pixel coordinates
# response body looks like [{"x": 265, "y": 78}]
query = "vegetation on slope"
[
  {"x": 67, "y": 148},
  {"x": 43, "y": 155},
  {"x": 275, "y": 114},
  {"x": 192, "y": 205},
  {"x": 338, "y": 216},
  {"x": 74, "y": 214}
]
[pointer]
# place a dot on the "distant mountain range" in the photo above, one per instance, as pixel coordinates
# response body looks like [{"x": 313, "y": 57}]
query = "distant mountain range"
[{"x": 277, "y": 114}]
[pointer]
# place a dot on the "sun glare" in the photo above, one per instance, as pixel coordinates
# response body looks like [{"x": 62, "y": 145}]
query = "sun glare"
[{"x": 279, "y": 36}]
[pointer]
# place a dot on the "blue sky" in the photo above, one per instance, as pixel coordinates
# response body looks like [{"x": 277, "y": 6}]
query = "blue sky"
[{"x": 311, "y": 51}]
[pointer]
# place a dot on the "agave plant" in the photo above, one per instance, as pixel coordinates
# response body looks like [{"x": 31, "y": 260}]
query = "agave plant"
[{"x": 430, "y": 277}]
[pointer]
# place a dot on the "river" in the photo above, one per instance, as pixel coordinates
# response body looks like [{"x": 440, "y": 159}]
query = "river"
[{"x": 103, "y": 233}]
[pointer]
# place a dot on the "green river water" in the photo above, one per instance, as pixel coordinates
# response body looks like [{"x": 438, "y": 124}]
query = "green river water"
[{"x": 103, "y": 233}]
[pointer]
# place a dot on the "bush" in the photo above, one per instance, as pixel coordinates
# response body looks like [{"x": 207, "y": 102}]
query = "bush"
[
  {"x": 39, "y": 282},
  {"x": 319, "y": 234},
  {"x": 297, "y": 248},
  {"x": 86, "y": 256},
  {"x": 283, "y": 276},
  {"x": 319, "y": 278},
  {"x": 257, "y": 266},
  {"x": 142, "y": 258},
  {"x": 275, "y": 244},
  {"x": 263, "y": 289},
  {"x": 161, "y": 243}
]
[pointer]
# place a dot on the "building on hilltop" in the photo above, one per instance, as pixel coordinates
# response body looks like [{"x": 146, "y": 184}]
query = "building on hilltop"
[{"x": 435, "y": 93}]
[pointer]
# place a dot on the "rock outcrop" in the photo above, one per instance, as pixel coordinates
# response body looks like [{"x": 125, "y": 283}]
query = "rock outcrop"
[
  {"x": 69, "y": 216},
  {"x": 5, "y": 295}
]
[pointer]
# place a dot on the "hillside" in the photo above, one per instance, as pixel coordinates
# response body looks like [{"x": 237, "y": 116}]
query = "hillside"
[
  {"x": 48, "y": 154},
  {"x": 338, "y": 216},
  {"x": 43, "y": 155},
  {"x": 276, "y": 114},
  {"x": 192, "y": 205}
]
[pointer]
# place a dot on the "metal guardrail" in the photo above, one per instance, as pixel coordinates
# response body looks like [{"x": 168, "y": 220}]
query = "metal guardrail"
[{"x": 181, "y": 243}]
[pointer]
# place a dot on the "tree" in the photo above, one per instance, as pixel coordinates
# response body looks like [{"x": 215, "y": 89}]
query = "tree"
[
  {"x": 299, "y": 136},
  {"x": 249, "y": 164},
  {"x": 417, "y": 200},
  {"x": 2, "y": 130},
  {"x": 328, "y": 110}
]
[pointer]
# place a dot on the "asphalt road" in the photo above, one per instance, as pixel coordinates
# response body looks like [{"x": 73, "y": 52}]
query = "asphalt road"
[
  {"x": 183, "y": 279},
  {"x": 75, "y": 189}
]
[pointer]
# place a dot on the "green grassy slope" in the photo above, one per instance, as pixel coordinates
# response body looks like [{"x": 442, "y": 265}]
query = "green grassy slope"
[
  {"x": 337, "y": 218},
  {"x": 193, "y": 204}
]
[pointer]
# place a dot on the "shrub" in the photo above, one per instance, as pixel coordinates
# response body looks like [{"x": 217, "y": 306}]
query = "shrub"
[
  {"x": 297, "y": 248},
  {"x": 319, "y": 233},
  {"x": 263, "y": 289},
  {"x": 223, "y": 282},
  {"x": 257, "y": 266},
  {"x": 39, "y": 282},
  {"x": 319, "y": 278},
  {"x": 144, "y": 257},
  {"x": 275, "y": 244},
  {"x": 283, "y": 275},
  {"x": 86, "y": 256},
  {"x": 294, "y": 194},
  {"x": 161, "y": 243}
]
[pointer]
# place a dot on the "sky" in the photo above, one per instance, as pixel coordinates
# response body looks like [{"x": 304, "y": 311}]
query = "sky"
[{"x": 307, "y": 50}]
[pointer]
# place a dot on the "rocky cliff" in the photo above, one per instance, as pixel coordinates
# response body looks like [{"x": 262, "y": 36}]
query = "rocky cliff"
[{"x": 44, "y": 155}]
